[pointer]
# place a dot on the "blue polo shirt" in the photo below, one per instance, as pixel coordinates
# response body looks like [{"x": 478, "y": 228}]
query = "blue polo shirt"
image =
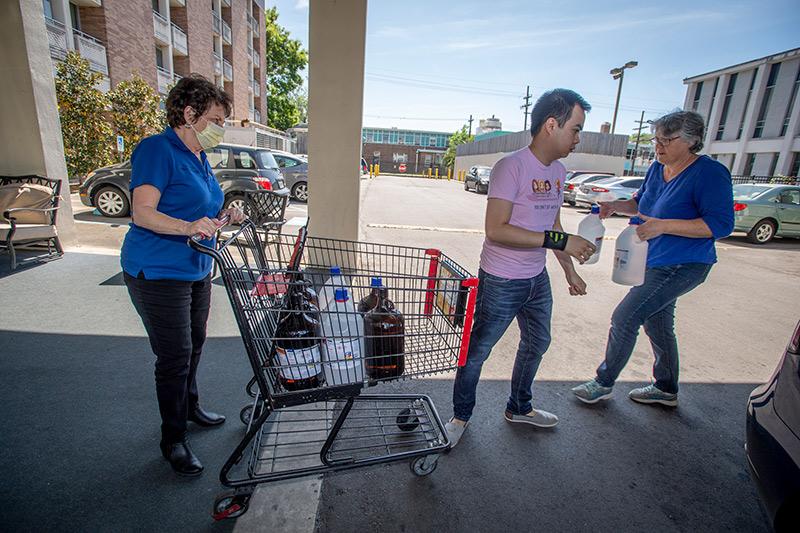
[
  {"x": 702, "y": 190},
  {"x": 189, "y": 191}
]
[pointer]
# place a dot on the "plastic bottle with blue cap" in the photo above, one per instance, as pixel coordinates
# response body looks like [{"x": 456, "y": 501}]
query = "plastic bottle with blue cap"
[
  {"x": 343, "y": 349},
  {"x": 592, "y": 229},
  {"x": 630, "y": 256}
]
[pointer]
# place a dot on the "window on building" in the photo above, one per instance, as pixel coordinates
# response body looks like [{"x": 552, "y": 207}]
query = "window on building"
[
  {"x": 157, "y": 10},
  {"x": 773, "y": 165},
  {"x": 789, "y": 109},
  {"x": 48, "y": 8},
  {"x": 713, "y": 99},
  {"x": 432, "y": 140},
  {"x": 733, "y": 160},
  {"x": 762, "y": 114},
  {"x": 393, "y": 137},
  {"x": 726, "y": 105},
  {"x": 746, "y": 103},
  {"x": 715, "y": 157},
  {"x": 75, "y": 15},
  {"x": 377, "y": 136},
  {"x": 748, "y": 167},
  {"x": 795, "y": 169},
  {"x": 409, "y": 138},
  {"x": 698, "y": 91},
  {"x": 159, "y": 57}
]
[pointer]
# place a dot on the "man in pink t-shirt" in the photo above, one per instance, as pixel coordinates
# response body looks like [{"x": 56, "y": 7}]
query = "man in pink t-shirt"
[{"x": 522, "y": 221}]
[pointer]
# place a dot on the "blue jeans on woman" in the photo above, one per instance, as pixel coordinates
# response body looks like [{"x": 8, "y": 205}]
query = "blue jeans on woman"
[
  {"x": 499, "y": 301},
  {"x": 651, "y": 304}
]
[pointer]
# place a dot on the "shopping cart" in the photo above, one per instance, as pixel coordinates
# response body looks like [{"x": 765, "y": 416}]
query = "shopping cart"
[{"x": 294, "y": 432}]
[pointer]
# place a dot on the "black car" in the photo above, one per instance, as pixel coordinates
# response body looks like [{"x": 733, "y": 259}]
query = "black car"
[
  {"x": 478, "y": 178},
  {"x": 237, "y": 169},
  {"x": 772, "y": 443}
]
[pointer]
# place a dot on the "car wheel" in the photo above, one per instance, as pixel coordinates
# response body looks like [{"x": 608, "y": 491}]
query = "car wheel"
[
  {"x": 482, "y": 190},
  {"x": 466, "y": 186},
  {"x": 238, "y": 201},
  {"x": 300, "y": 191},
  {"x": 762, "y": 232},
  {"x": 111, "y": 202}
]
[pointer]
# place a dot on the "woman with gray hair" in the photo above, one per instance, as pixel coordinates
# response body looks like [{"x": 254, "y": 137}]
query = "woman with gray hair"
[{"x": 686, "y": 202}]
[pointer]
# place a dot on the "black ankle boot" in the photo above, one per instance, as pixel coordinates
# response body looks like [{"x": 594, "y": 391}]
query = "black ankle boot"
[
  {"x": 182, "y": 458},
  {"x": 205, "y": 418}
]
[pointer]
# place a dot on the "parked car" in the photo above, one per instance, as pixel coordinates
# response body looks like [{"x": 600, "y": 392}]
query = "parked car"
[
  {"x": 237, "y": 169},
  {"x": 572, "y": 183},
  {"x": 772, "y": 442},
  {"x": 764, "y": 211},
  {"x": 572, "y": 174},
  {"x": 608, "y": 189},
  {"x": 295, "y": 173},
  {"x": 478, "y": 178}
]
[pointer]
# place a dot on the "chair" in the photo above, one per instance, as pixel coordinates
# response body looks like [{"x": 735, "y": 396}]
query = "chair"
[{"x": 15, "y": 231}]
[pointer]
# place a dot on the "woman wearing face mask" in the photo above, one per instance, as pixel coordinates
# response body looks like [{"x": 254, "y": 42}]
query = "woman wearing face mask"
[{"x": 175, "y": 195}]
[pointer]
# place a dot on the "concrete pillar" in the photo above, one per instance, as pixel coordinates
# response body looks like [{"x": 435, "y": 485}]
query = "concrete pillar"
[
  {"x": 751, "y": 115},
  {"x": 30, "y": 132},
  {"x": 786, "y": 155},
  {"x": 337, "y": 34}
]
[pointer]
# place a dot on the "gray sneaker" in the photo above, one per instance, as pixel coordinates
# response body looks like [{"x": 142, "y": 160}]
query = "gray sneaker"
[
  {"x": 454, "y": 431},
  {"x": 537, "y": 417},
  {"x": 591, "y": 392},
  {"x": 652, "y": 394}
]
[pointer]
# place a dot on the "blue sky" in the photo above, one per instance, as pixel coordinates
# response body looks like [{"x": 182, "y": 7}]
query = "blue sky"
[{"x": 430, "y": 64}]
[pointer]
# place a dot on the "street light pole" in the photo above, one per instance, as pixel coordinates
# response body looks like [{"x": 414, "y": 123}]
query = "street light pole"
[{"x": 618, "y": 74}]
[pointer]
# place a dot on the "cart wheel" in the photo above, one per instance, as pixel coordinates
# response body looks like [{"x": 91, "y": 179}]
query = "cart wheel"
[
  {"x": 406, "y": 421},
  {"x": 230, "y": 505},
  {"x": 423, "y": 466},
  {"x": 246, "y": 414},
  {"x": 251, "y": 388}
]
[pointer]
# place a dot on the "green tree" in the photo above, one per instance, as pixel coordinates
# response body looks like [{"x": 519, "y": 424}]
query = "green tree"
[
  {"x": 459, "y": 137},
  {"x": 88, "y": 138},
  {"x": 135, "y": 111},
  {"x": 644, "y": 138},
  {"x": 285, "y": 59}
]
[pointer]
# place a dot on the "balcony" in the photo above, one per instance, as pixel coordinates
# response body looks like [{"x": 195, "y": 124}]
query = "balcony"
[
  {"x": 256, "y": 89},
  {"x": 88, "y": 3},
  {"x": 226, "y": 3},
  {"x": 217, "y": 65},
  {"x": 104, "y": 85},
  {"x": 256, "y": 59},
  {"x": 227, "y": 70},
  {"x": 180, "y": 45},
  {"x": 177, "y": 3},
  {"x": 216, "y": 23},
  {"x": 226, "y": 33},
  {"x": 176, "y": 78},
  {"x": 254, "y": 26},
  {"x": 57, "y": 37},
  {"x": 92, "y": 50},
  {"x": 257, "y": 116},
  {"x": 161, "y": 28},
  {"x": 164, "y": 80}
]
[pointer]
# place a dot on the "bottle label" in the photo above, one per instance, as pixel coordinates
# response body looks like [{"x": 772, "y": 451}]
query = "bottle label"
[
  {"x": 621, "y": 259},
  {"x": 299, "y": 364},
  {"x": 346, "y": 351}
]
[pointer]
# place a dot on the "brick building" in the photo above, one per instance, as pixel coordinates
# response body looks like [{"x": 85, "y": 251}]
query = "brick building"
[
  {"x": 164, "y": 40},
  {"x": 412, "y": 150}
]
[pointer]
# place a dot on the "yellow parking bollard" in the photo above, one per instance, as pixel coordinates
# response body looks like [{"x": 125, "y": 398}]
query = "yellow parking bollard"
[
  {"x": 437, "y": 173},
  {"x": 449, "y": 173}
]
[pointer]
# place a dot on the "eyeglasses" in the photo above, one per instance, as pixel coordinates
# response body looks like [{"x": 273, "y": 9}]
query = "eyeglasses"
[{"x": 664, "y": 141}]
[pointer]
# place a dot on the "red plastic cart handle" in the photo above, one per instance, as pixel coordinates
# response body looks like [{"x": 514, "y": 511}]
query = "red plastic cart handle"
[
  {"x": 432, "y": 271},
  {"x": 472, "y": 285}
]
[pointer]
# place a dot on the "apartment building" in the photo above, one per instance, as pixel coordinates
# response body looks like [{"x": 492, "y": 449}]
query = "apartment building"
[
  {"x": 413, "y": 150},
  {"x": 752, "y": 114},
  {"x": 164, "y": 40}
]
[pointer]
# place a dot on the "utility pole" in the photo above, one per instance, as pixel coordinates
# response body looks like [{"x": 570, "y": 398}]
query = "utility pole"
[
  {"x": 470, "y": 125},
  {"x": 642, "y": 126},
  {"x": 527, "y": 105}
]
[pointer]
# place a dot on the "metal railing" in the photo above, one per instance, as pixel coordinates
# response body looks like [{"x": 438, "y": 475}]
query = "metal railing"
[
  {"x": 256, "y": 59},
  {"x": 179, "y": 41},
  {"x": 227, "y": 70},
  {"x": 226, "y": 3},
  {"x": 769, "y": 180},
  {"x": 217, "y": 64},
  {"x": 57, "y": 37},
  {"x": 91, "y": 49},
  {"x": 254, "y": 26},
  {"x": 256, "y": 89},
  {"x": 226, "y": 32},
  {"x": 161, "y": 27},
  {"x": 164, "y": 80},
  {"x": 216, "y": 23}
]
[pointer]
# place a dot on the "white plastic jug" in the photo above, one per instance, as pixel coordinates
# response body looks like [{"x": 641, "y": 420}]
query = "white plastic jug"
[
  {"x": 327, "y": 292},
  {"x": 343, "y": 349},
  {"x": 592, "y": 229},
  {"x": 630, "y": 256}
]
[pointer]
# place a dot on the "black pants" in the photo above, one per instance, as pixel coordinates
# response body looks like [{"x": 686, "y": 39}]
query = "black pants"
[{"x": 174, "y": 314}]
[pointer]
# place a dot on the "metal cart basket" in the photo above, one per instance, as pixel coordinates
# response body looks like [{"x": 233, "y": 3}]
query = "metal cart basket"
[{"x": 299, "y": 430}]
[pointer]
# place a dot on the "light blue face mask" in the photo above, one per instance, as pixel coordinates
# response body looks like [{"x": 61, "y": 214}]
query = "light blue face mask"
[{"x": 211, "y": 136}]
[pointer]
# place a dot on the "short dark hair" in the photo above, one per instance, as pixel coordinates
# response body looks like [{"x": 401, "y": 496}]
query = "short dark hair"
[
  {"x": 557, "y": 103},
  {"x": 196, "y": 92}
]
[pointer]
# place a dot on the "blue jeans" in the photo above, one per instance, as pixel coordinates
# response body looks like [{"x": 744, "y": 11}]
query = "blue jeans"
[
  {"x": 651, "y": 304},
  {"x": 499, "y": 301}
]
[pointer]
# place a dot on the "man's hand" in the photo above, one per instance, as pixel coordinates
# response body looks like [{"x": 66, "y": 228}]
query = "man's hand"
[
  {"x": 650, "y": 228},
  {"x": 579, "y": 248},
  {"x": 577, "y": 287}
]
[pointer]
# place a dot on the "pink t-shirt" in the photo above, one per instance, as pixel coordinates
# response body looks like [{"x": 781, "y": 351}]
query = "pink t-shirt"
[{"x": 537, "y": 192}]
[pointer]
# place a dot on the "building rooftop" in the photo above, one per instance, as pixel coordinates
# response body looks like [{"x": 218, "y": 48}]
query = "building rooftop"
[{"x": 745, "y": 65}]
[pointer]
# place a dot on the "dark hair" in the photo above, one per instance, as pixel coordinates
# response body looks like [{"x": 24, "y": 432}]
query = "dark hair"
[
  {"x": 688, "y": 124},
  {"x": 558, "y": 104},
  {"x": 196, "y": 92}
]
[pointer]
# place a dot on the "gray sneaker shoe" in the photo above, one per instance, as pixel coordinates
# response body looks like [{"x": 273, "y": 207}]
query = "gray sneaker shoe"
[
  {"x": 591, "y": 392},
  {"x": 454, "y": 431},
  {"x": 652, "y": 394},
  {"x": 537, "y": 417}
]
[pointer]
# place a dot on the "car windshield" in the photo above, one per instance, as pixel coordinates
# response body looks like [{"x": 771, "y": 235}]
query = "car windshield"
[
  {"x": 747, "y": 191},
  {"x": 266, "y": 160},
  {"x": 607, "y": 181},
  {"x": 484, "y": 172},
  {"x": 587, "y": 177}
]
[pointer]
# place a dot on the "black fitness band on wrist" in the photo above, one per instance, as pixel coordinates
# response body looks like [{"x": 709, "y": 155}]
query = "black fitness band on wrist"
[{"x": 555, "y": 240}]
